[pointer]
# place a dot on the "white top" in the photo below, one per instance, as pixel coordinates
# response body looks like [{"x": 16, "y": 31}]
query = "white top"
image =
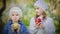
[{"x": 49, "y": 26}]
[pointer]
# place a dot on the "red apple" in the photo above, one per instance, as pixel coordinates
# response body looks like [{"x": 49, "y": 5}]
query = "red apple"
[{"x": 38, "y": 20}]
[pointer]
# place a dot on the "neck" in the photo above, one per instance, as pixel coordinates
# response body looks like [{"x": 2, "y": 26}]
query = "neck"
[{"x": 15, "y": 21}]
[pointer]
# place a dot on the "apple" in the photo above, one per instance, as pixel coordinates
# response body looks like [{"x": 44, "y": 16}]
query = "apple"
[
  {"x": 38, "y": 20},
  {"x": 15, "y": 25}
]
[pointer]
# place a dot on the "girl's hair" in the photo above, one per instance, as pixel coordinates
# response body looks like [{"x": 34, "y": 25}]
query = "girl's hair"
[
  {"x": 15, "y": 9},
  {"x": 44, "y": 15}
]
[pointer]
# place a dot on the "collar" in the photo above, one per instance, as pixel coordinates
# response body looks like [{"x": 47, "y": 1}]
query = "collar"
[{"x": 10, "y": 22}]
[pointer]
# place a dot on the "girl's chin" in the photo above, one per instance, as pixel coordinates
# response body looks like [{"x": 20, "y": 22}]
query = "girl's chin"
[
  {"x": 15, "y": 20},
  {"x": 37, "y": 14}
]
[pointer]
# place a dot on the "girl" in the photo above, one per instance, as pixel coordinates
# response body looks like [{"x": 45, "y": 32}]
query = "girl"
[
  {"x": 14, "y": 25},
  {"x": 41, "y": 24}
]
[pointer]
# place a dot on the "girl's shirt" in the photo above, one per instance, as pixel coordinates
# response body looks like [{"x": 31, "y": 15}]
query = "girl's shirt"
[
  {"x": 8, "y": 30},
  {"x": 49, "y": 25}
]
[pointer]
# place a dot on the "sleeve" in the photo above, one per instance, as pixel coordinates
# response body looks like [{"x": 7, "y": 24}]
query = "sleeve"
[
  {"x": 25, "y": 30},
  {"x": 5, "y": 30},
  {"x": 49, "y": 27},
  {"x": 31, "y": 27}
]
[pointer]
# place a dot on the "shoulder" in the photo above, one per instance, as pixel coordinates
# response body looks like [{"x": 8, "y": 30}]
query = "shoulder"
[
  {"x": 49, "y": 19},
  {"x": 32, "y": 18},
  {"x": 6, "y": 26},
  {"x": 22, "y": 25}
]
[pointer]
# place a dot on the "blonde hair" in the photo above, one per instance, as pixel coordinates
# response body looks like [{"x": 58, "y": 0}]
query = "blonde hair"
[{"x": 15, "y": 9}]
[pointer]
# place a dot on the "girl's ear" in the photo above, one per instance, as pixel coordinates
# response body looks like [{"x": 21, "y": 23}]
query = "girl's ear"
[
  {"x": 20, "y": 18},
  {"x": 9, "y": 18}
]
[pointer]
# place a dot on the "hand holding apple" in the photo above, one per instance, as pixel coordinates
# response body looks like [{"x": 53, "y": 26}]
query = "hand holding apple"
[
  {"x": 15, "y": 26},
  {"x": 38, "y": 20}
]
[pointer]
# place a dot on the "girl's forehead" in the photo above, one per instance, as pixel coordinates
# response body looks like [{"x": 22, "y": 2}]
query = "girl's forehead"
[
  {"x": 15, "y": 12},
  {"x": 36, "y": 6}
]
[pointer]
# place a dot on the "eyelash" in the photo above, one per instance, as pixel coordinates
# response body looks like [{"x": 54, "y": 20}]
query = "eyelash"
[
  {"x": 36, "y": 8},
  {"x": 16, "y": 14},
  {"x": 13, "y": 14}
]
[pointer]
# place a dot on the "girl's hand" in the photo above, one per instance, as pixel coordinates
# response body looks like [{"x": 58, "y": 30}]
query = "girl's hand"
[
  {"x": 37, "y": 25},
  {"x": 15, "y": 27},
  {"x": 12, "y": 26},
  {"x": 18, "y": 27},
  {"x": 42, "y": 26}
]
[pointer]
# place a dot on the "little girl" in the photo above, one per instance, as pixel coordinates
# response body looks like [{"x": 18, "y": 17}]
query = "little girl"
[
  {"x": 41, "y": 24},
  {"x": 14, "y": 25}
]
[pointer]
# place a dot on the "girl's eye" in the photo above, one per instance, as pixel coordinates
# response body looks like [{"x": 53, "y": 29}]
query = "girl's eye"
[
  {"x": 12, "y": 14},
  {"x": 37, "y": 8}
]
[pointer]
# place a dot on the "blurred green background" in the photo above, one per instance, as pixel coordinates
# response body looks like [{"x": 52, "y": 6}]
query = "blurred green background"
[{"x": 27, "y": 7}]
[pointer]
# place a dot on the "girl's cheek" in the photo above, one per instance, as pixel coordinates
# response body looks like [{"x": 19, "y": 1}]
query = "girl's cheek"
[
  {"x": 18, "y": 17},
  {"x": 12, "y": 18}
]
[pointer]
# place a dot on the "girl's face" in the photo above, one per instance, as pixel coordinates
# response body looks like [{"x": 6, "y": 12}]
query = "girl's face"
[
  {"x": 38, "y": 10},
  {"x": 15, "y": 16}
]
